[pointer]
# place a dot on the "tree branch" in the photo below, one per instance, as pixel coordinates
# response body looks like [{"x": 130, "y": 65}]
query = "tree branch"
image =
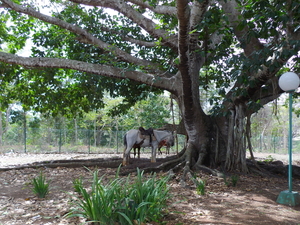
[
  {"x": 263, "y": 78},
  {"x": 197, "y": 12},
  {"x": 129, "y": 39},
  {"x": 291, "y": 25},
  {"x": 84, "y": 36},
  {"x": 138, "y": 18},
  {"x": 160, "y": 9},
  {"x": 231, "y": 9},
  {"x": 99, "y": 69}
]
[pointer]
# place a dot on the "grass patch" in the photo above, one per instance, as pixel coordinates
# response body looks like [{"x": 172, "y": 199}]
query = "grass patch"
[
  {"x": 269, "y": 159},
  {"x": 234, "y": 179},
  {"x": 121, "y": 200},
  {"x": 40, "y": 186},
  {"x": 200, "y": 187},
  {"x": 78, "y": 184}
]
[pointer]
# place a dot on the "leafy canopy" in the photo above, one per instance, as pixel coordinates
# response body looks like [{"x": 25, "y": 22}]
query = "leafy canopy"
[{"x": 142, "y": 36}]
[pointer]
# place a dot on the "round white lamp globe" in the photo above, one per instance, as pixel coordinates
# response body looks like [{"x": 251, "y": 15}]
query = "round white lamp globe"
[{"x": 289, "y": 81}]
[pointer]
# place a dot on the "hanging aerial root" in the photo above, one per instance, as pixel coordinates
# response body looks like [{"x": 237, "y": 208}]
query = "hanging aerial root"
[{"x": 248, "y": 136}]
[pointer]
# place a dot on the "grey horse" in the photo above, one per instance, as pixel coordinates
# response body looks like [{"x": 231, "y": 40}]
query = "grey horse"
[{"x": 137, "y": 138}]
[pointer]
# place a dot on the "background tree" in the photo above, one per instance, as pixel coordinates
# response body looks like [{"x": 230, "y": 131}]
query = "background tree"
[
  {"x": 95, "y": 128},
  {"x": 158, "y": 45},
  {"x": 152, "y": 112},
  {"x": 270, "y": 127},
  {"x": 4, "y": 122}
]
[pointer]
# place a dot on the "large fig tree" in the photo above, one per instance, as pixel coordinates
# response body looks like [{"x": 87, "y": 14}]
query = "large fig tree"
[{"x": 237, "y": 48}]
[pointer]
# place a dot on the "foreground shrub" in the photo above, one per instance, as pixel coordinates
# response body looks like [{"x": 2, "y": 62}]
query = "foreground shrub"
[
  {"x": 234, "y": 180},
  {"x": 77, "y": 184},
  {"x": 40, "y": 187},
  {"x": 121, "y": 201},
  {"x": 200, "y": 187}
]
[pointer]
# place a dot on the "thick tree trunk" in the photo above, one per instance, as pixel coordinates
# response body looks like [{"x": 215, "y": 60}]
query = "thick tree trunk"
[
  {"x": 218, "y": 142},
  {"x": 205, "y": 145},
  {"x": 197, "y": 127}
]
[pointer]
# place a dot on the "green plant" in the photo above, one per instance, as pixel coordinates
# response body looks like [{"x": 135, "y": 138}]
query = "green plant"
[
  {"x": 234, "y": 180},
  {"x": 225, "y": 180},
  {"x": 200, "y": 186},
  {"x": 40, "y": 187},
  {"x": 121, "y": 201},
  {"x": 77, "y": 184},
  {"x": 269, "y": 159}
]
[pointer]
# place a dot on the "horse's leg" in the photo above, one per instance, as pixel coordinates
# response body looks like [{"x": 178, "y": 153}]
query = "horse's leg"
[
  {"x": 139, "y": 152},
  {"x": 125, "y": 160},
  {"x": 134, "y": 152},
  {"x": 159, "y": 151},
  {"x": 153, "y": 154},
  {"x": 167, "y": 150},
  {"x": 126, "y": 156}
]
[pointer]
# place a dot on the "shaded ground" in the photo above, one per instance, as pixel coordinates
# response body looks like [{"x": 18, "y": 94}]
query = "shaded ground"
[{"x": 252, "y": 201}]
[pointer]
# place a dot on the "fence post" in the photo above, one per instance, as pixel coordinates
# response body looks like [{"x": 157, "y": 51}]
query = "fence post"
[
  {"x": 59, "y": 142},
  {"x": 25, "y": 137},
  {"x": 117, "y": 132},
  {"x": 260, "y": 143},
  {"x": 274, "y": 142},
  {"x": 89, "y": 141}
]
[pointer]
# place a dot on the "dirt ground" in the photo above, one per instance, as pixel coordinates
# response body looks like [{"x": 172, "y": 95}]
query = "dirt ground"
[{"x": 251, "y": 201}]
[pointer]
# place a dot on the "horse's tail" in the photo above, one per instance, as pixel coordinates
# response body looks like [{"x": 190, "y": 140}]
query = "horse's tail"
[{"x": 125, "y": 140}]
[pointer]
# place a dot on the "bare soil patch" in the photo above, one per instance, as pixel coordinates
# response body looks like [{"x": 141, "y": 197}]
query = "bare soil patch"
[{"x": 252, "y": 201}]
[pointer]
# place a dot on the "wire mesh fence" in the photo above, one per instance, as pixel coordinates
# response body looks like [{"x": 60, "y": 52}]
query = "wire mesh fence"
[
  {"x": 69, "y": 141},
  {"x": 274, "y": 144},
  {"x": 49, "y": 140}
]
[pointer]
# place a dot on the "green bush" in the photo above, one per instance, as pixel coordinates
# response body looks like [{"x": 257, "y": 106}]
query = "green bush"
[
  {"x": 121, "y": 201},
  {"x": 200, "y": 187},
  {"x": 234, "y": 180},
  {"x": 40, "y": 187},
  {"x": 269, "y": 159},
  {"x": 77, "y": 184}
]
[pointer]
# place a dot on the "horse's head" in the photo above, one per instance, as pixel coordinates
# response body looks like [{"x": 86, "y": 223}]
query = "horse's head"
[{"x": 170, "y": 139}]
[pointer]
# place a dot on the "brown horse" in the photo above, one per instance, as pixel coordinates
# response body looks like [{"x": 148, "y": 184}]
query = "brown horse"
[
  {"x": 164, "y": 143},
  {"x": 160, "y": 145}
]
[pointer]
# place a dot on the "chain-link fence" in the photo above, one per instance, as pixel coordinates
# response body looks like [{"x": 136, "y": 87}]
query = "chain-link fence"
[
  {"x": 69, "y": 141},
  {"x": 103, "y": 141},
  {"x": 274, "y": 144}
]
